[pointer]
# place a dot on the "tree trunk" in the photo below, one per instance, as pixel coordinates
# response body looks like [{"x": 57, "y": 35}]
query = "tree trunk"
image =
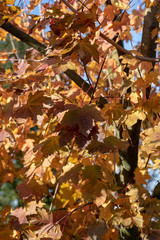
[{"x": 129, "y": 158}]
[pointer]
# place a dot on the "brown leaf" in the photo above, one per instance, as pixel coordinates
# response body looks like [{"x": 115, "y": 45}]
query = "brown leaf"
[
  {"x": 109, "y": 143},
  {"x": 34, "y": 106},
  {"x": 29, "y": 190}
]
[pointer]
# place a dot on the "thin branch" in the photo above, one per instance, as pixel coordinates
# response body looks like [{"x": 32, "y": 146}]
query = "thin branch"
[
  {"x": 26, "y": 60},
  {"x": 147, "y": 160},
  {"x": 11, "y": 53},
  {"x": 13, "y": 46},
  {"x": 87, "y": 75},
  {"x": 70, "y": 213},
  {"x": 99, "y": 74},
  {"x": 54, "y": 196},
  {"x": 146, "y": 59},
  {"x": 69, "y": 6}
]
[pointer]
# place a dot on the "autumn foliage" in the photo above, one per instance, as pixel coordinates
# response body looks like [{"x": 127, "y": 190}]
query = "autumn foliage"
[{"x": 79, "y": 119}]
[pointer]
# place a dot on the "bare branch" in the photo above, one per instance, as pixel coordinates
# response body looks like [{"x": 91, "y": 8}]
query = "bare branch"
[
  {"x": 69, "y": 6},
  {"x": 99, "y": 74}
]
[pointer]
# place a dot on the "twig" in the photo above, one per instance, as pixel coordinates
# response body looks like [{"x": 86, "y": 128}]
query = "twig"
[
  {"x": 27, "y": 60},
  {"x": 148, "y": 160},
  {"x": 69, "y": 6},
  {"x": 70, "y": 213},
  {"x": 10, "y": 53},
  {"x": 87, "y": 75},
  {"x": 98, "y": 78},
  {"x": 13, "y": 46},
  {"x": 54, "y": 196}
]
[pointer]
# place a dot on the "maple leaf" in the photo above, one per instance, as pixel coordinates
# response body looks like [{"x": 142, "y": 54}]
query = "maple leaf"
[
  {"x": 34, "y": 106},
  {"x": 127, "y": 222},
  {"x": 151, "y": 137},
  {"x": 50, "y": 145},
  {"x": 121, "y": 24},
  {"x": 67, "y": 134},
  {"x": 3, "y": 136},
  {"x": 141, "y": 176},
  {"x": 47, "y": 228},
  {"x": 106, "y": 211},
  {"x": 70, "y": 172},
  {"x": 65, "y": 190},
  {"x": 133, "y": 118},
  {"x": 33, "y": 4},
  {"x": 113, "y": 111},
  {"x": 96, "y": 230},
  {"x": 138, "y": 220},
  {"x": 83, "y": 20},
  {"x": 92, "y": 173},
  {"x": 43, "y": 217},
  {"x": 29, "y": 190},
  {"x": 32, "y": 206},
  {"x": 27, "y": 80},
  {"x": 101, "y": 199},
  {"x": 109, "y": 143},
  {"x": 22, "y": 67},
  {"x": 20, "y": 213},
  {"x": 84, "y": 117},
  {"x": 87, "y": 50}
]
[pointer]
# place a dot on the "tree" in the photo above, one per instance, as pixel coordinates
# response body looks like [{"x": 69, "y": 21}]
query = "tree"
[{"x": 80, "y": 120}]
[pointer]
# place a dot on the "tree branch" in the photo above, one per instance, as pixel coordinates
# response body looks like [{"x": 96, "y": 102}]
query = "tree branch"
[
  {"x": 117, "y": 46},
  {"x": 9, "y": 27}
]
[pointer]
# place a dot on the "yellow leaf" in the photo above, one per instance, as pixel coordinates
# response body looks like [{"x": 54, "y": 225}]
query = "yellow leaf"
[
  {"x": 134, "y": 97},
  {"x": 73, "y": 158},
  {"x": 68, "y": 65},
  {"x": 10, "y": 2},
  {"x": 133, "y": 193},
  {"x": 68, "y": 195},
  {"x": 17, "y": 20},
  {"x": 3, "y": 33},
  {"x": 133, "y": 117},
  {"x": 138, "y": 220},
  {"x": 48, "y": 177},
  {"x": 127, "y": 222}
]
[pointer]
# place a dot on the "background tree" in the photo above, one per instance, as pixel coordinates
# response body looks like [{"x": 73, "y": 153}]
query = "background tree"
[{"x": 79, "y": 120}]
